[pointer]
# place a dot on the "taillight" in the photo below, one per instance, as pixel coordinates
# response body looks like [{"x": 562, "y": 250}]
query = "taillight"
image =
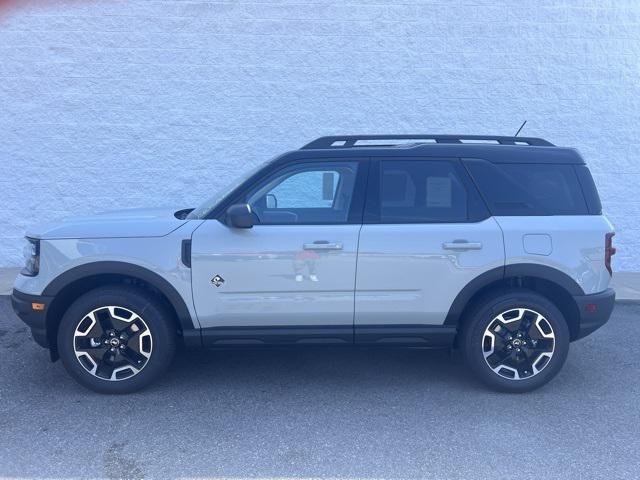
[{"x": 609, "y": 251}]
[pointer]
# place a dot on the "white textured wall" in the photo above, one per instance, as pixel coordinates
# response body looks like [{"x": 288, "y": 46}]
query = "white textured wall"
[{"x": 107, "y": 104}]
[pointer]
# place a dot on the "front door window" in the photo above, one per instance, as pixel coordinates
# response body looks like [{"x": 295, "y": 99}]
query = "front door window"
[{"x": 305, "y": 194}]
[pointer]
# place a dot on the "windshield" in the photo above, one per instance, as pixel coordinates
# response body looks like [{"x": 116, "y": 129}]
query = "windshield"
[{"x": 203, "y": 210}]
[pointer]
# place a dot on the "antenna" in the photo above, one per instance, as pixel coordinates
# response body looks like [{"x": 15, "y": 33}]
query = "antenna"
[{"x": 521, "y": 127}]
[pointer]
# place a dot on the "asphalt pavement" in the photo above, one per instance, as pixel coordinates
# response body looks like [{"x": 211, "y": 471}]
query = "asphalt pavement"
[{"x": 325, "y": 413}]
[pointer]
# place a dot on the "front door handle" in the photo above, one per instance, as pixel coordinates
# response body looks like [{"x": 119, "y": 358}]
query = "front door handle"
[
  {"x": 322, "y": 245},
  {"x": 461, "y": 245}
]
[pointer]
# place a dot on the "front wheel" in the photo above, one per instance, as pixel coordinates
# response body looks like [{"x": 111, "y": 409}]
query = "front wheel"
[
  {"x": 116, "y": 339},
  {"x": 516, "y": 342}
]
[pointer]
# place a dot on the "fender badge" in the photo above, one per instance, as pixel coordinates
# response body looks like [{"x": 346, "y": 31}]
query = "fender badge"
[{"x": 217, "y": 280}]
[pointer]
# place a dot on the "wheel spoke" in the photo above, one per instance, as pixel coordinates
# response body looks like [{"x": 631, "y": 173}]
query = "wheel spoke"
[
  {"x": 134, "y": 358},
  {"x": 502, "y": 330},
  {"x": 542, "y": 345},
  {"x": 495, "y": 359},
  {"x": 527, "y": 321},
  {"x": 524, "y": 364},
  {"x": 134, "y": 328},
  {"x": 89, "y": 343},
  {"x": 104, "y": 320},
  {"x": 105, "y": 366},
  {"x": 500, "y": 358}
]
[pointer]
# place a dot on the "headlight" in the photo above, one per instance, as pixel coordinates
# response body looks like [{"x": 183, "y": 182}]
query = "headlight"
[{"x": 31, "y": 257}]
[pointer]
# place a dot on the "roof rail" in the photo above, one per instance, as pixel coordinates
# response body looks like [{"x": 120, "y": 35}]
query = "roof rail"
[{"x": 348, "y": 141}]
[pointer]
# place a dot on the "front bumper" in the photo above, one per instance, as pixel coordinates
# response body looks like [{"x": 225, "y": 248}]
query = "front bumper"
[
  {"x": 36, "y": 320},
  {"x": 594, "y": 311}
]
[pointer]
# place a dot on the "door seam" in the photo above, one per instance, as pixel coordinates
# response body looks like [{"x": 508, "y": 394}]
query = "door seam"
[{"x": 355, "y": 283}]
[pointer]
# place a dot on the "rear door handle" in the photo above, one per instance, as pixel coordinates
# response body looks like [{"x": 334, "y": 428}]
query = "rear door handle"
[
  {"x": 322, "y": 245},
  {"x": 461, "y": 245}
]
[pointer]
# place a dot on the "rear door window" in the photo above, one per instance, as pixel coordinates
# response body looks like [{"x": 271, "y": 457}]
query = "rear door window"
[
  {"x": 426, "y": 191},
  {"x": 528, "y": 189}
]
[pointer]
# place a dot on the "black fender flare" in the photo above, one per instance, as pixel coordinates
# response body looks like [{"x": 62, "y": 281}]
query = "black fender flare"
[
  {"x": 127, "y": 269},
  {"x": 508, "y": 271}
]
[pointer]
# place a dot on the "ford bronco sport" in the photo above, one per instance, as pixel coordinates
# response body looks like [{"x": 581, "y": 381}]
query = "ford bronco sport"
[{"x": 496, "y": 246}]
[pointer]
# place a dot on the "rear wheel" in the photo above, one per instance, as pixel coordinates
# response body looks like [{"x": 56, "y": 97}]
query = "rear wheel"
[
  {"x": 516, "y": 342},
  {"x": 116, "y": 339}
]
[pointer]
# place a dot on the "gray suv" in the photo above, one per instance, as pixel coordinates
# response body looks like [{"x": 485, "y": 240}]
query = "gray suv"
[{"x": 496, "y": 246}]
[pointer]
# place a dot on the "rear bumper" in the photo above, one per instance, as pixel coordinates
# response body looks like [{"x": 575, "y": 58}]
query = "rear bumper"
[
  {"x": 594, "y": 311},
  {"x": 36, "y": 320}
]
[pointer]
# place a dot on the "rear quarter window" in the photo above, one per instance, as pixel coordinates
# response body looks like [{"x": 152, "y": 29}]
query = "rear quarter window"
[
  {"x": 528, "y": 189},
  {"x": 589, "y": 189}
]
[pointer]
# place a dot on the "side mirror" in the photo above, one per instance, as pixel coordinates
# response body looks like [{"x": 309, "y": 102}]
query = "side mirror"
[{"x": 240, "y": 216}]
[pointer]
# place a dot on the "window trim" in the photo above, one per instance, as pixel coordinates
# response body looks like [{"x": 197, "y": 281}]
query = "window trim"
[
  {"x": 354, "y": 216},
  {"x": 372, "y": 205}
]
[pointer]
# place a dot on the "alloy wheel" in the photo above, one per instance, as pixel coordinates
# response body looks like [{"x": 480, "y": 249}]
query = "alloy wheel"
[
  {"x": 518, "y": 343},
  {"x": 112, "y": 343}
]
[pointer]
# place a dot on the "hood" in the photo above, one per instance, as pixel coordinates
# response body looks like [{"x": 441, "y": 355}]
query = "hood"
[{"x": 134, "y": 222}]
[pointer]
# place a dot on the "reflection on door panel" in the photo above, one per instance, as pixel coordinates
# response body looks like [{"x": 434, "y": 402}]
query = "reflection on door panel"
[{"x": 428, "y": 245}]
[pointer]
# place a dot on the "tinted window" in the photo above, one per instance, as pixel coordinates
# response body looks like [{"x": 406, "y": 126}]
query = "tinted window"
[
  {"x": 528, "y": 189},
  {"x": 422, "y": 191},
  {"x": 319, "y": 192},
  {"x": 589, "y": 189}
]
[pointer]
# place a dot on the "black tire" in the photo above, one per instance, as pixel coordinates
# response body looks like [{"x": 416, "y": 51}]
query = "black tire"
[
  {"x": 476, "y": 341},
  {"x": 154, "y": 352}
]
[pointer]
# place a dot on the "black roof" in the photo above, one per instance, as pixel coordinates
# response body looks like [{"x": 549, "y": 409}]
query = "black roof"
[{"x": 497, "y": 149}]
